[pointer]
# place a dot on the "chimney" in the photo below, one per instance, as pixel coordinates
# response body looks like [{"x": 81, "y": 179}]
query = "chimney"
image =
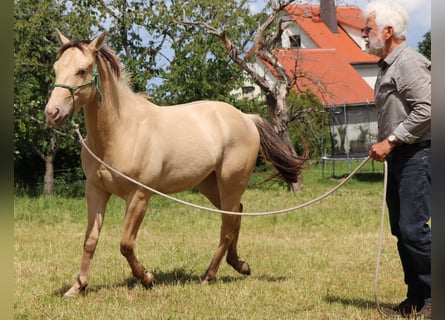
[{"x": 328, "y": 14}]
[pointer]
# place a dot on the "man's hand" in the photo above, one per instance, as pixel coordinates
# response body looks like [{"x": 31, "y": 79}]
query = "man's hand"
[{"x": 381, "y": 150}]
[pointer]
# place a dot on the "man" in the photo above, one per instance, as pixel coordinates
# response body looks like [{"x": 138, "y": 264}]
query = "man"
[{"x": 403, "y": 100}]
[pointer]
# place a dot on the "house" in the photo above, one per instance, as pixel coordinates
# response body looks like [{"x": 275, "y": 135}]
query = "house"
[{"x": 325, "y": 53}]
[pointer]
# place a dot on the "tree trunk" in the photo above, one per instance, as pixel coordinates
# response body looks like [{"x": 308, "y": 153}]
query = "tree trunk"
[
  {"x": 48, "y": 157},
  {"x": 279, "y": 114},
  {"x": 48, "y": 187}
]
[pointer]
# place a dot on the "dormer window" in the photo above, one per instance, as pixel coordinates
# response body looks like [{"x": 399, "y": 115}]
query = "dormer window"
[{"x": 295, "y": 41}]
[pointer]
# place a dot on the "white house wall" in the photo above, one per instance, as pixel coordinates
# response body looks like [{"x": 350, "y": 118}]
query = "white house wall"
[
  {"x": 368, "y": 72},
  {"x": 355, "y": 35},
  {"x": 294, "y": 30},
  {"x": 356, "y": 118},
  {"x": 248, "y": 82}
]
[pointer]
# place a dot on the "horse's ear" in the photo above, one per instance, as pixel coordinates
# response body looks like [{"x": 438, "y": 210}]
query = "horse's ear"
[
  {"x": 97, "y": 42},
  {"x": 62, "y": 39}
]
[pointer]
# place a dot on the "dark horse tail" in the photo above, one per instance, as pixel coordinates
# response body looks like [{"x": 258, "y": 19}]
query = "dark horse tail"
[{"x": 287, "y": 163}]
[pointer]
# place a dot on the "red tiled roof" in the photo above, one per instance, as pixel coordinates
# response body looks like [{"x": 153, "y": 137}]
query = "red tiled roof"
[
  {"x": 329, "y": 64},
  {"x": 326, "y": 73},
  {"x": 308, "y": 18},
  {"x": 351, "y": 16}
]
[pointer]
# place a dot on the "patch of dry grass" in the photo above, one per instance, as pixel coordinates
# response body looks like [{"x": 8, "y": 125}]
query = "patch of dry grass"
[{"x": 316, "y": 263}]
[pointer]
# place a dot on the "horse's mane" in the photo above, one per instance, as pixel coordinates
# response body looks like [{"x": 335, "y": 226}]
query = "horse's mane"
[
  {"x": 104, "y": 52},
  {"x": 110, "y": 57}
]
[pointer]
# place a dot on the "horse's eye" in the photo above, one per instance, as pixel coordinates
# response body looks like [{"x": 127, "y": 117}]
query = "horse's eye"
[{"x": 81, "y": 72}]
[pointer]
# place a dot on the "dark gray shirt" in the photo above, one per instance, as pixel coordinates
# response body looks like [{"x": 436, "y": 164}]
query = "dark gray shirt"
[{"x": 403, "y": 95}]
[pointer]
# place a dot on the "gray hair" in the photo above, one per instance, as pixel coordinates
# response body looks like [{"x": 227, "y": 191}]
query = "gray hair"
[{"x": 389, "y": 14}]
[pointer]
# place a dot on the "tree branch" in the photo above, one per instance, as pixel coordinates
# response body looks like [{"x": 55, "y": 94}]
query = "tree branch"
[
  {"x": 232, "y": 51},
  {"x": 261, "y": 48},
  {"x": 40, "y": 122}
]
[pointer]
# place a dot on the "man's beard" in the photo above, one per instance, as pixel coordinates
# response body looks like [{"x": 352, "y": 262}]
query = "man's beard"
[{"x": 376, "y": 46}]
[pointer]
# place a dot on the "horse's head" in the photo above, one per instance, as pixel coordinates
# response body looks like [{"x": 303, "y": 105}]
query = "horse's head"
[{"x": 77, "y": 78}]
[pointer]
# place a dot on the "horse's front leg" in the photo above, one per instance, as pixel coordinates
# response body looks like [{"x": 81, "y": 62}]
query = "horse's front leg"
[
  {"x": 136, "y": 208},
  {"x": 96, "y": 203}
]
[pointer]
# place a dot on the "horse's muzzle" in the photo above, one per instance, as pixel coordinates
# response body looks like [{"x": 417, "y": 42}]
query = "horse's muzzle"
[{"x": 55, "y": 118}]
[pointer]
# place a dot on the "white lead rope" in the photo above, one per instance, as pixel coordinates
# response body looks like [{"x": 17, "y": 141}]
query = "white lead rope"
[
  {"x": 196, "y": 206},
  {"x": 379, "y": 251},
  {"x": 82, "y": 140}
]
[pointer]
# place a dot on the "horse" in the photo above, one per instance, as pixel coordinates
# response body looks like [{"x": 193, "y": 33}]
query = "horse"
[{"x": 207, "y": 145}]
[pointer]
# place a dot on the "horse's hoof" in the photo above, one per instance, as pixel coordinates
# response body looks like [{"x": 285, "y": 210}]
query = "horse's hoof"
[
  {"x": 205, "y": 280},
  {"x": 148, "y": 280},
  {"x": 240, "y": 266},
  {"x": 71, "y": 293},
  {"x": 245, "y": 269},
  {"x": 207, "y": 277},
  {"x": 75, "y": 289}
]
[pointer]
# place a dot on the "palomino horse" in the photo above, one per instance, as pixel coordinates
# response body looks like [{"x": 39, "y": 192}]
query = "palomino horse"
[{"x": 206, "y": 144}]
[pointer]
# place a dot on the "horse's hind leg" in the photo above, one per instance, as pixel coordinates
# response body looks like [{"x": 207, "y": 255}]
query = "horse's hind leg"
[
  {"x": 96, "y": 203},
  {"x": 136, "y": 208},
  {"x": 230, "y": 228},
  {"x": 232, "y": 253},
  {"x": 228, "y": 240}
]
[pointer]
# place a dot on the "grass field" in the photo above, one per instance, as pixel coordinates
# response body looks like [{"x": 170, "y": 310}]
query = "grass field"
[{"x": 315, "y": 263}]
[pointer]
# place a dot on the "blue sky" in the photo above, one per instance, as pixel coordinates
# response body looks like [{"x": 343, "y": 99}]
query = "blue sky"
[{"x": 419, "y": 12}]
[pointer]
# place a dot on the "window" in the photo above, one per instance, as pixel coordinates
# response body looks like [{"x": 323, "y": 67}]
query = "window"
[
  {"x": 295, "y": 41},
  {"x": 248, "y": 92},
  {"x": 248, "y": 89}
]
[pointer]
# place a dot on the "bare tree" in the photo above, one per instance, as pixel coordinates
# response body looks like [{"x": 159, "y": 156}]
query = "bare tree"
[{"x": 262, "y": 49}]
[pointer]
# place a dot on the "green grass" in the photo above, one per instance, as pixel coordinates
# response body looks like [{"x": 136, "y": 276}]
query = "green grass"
[{"x": 315, "y": 263}]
